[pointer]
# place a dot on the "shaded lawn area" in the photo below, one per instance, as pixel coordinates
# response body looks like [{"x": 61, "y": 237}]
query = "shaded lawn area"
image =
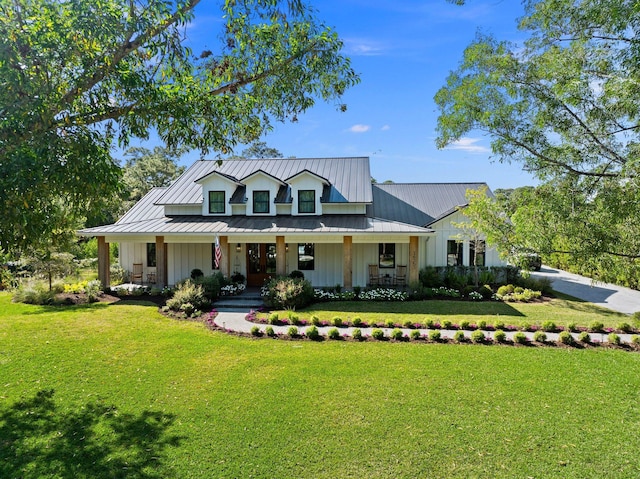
[
  {"x": 121, "y": 391},
  {"x": 561, "y": 310}
]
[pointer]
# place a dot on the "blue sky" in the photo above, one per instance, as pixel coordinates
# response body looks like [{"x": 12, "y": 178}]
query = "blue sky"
[{"x": 403, "y": 51}]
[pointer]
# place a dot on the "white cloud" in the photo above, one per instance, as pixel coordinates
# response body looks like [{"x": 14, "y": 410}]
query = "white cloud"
[
  {"x": 363, "y": 47},
  {"x": 469, "y": 145},
  {"x": 385, "y": 128},
  {"x": 359, "y": 128}
]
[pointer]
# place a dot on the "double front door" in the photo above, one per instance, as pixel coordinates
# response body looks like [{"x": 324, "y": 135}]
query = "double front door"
[{"x": 261, "y": 262}]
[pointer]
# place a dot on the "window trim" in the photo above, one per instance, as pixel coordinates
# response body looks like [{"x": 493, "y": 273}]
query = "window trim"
[
  {"x": 267, "y": 202},
  {"x": 223, "y": 203},
  {"x": 307, "y": 202}
]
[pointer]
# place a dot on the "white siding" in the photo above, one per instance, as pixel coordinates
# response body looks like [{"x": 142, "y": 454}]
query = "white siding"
[
  {"x": 184, "y": 257},
  {"x": 260, "y": 182},
  {"x": 217, "y": 183},
  {"x": 306, "y": 182}
]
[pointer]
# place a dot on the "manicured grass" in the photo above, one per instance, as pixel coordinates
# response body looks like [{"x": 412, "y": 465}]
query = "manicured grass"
[
  {"x": 121, "y": 391},
  {"x": 562, "y": 311}
]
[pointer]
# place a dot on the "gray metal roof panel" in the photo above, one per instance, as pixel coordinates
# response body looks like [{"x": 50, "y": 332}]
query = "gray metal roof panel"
[
  {"x": 146, "y": 208},
  {"x": 350, "y": 178}
]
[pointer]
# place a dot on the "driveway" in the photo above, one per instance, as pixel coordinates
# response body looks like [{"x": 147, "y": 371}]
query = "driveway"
[{"x": 616, "y": 298}]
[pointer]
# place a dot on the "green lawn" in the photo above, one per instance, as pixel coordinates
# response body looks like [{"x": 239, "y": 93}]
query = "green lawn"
[
  {"x": 121, "y": 391},
  {"x": 562, "y": 311}
]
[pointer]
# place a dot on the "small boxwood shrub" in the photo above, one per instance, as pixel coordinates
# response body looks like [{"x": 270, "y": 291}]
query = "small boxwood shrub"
[
  {"x": 274, "y": 319},
  {"x": 624, "y": 327},
  {"x": 389, "y": 323},
  {"x": 378, "y": 334},
  {"x": 293, "y": 318},
  {"x": 596, "y": 326},
  {"x": 357, "y": 321},
  {"x": 397, "y": 334},
  {"x": 429, "y": 324},
  {"x": 313, "y": 333},
  {"x": 464, "y": 324},
  {"x": 482, "y": 324},
  {"x": 500, "y": 336},
  {"x": 446, "y": 324},
  {"x": 292, "y": 332},
  {"x": 520, "y": 338},
  {"x": 549, "y": 326},
  {"x": 414, "y": 335},
  {"x": 540, "y": 337},
  {"x": 505, "y": 290},
  {"x": 565, "y": 337},
  {"x": 269, "y": 331},
  {"x": 408, "y": 324},
  {"x": 584, "y": 337},
  {"x": 435, "y": 335},
  {"x": 255, "y": 331},
  {"x": 477, "y": 336},
  {"x": 333, "y": 333},
  {"x": 357, "y": 334},
  {"x": 498, "y": 324},
  {"x": 635, "y": 340},
  {"x": 459, "y": 336},
  {"x": 315, "y": 320},
  {"x": 337, "y": 322},
  {"x": 573, "y": 327},
  {"x": 614, "y": 339}
]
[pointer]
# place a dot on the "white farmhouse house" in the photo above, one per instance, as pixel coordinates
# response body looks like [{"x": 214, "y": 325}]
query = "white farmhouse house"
[{"x": 322, "y": 216}]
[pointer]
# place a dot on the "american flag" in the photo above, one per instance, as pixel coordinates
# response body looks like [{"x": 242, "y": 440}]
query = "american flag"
[{"x": 218, "y": 254}]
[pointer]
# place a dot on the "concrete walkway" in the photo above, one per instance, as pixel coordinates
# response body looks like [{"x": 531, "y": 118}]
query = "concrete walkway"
[{"x": 610, "y": 296}]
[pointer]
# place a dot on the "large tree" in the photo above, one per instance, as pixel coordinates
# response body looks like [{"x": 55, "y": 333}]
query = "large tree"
[
  {"x": 78, "y": 76},
  {"x": 564, "y": 104}
]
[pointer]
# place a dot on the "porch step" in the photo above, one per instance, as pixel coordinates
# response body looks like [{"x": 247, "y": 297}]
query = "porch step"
[{"x": 243, "y": 302}]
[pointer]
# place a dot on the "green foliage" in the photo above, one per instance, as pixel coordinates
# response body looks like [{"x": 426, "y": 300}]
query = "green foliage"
[
  {"x": 565, "y": 337},
  {"x": 414, "y": 335},
  {"x": 635, "y": 340},
  {"x": 211, "y": 284},
  {"x": 274, "y": 318},
  {"x": 337, "y": 322},
  {"x": 255, "y": 331},
  {"x": 377, "y": 333},
  {"x": 288, "y": 293},
  {"x": 596, "y": 326},
  {"x": 313, "y": 333},
  {"x": 188, "y": 293},
  {"x": 572, "y": 326},
  {"x": 315, "y": 320},
  {"x": 357, "y": 321},
  {"x": 435, "y": 335},
  {"x": 498, "y": 324},
  {"x": 520, "y": 338},
  {"x": 478, "y": 336},
  {"x": 292, "y": 331},
  {"x": 614, "y": 339},
  {"x": 464, "y": 324},
  {"x": 549, "y": 326},
  {"x": 137, "y": 74},
  {"x": 500, "y": 336},
  {"x": 459, "y": 337},
  {"x": 269, "y": 331},
  {"x": 397, "y": 334},
  {"x": 296, "y": 274},
  {"x": 34, "y": 293},
  {"x": 624, "y": 327},
  {"x": 584, "y": 337},
  {"x": 356, "y": 334},
  {"x": 333, "y": 333},
  {"x": 117, "y": 274},
  {"x": 540, "y": 337}
]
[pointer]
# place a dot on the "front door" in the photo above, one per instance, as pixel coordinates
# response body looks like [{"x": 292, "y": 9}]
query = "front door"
[{"x": 261, "y": 263}]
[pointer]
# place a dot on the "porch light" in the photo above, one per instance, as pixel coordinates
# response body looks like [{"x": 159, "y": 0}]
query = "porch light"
[
  {"x": 286, "y": 247},
  {"x": 238, "y": 248}
]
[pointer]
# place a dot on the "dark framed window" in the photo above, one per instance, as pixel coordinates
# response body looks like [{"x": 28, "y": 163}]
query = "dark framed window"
[
  {"x": 477, "y": 251},
  {"x": 151, "y": 255},
  {"x": 386, "y": 255},
  {"x": 261, "y": 201},
  {"x": 306, "y": 201},
  {"x": 306, "y": 256},
  {"x": 216, "y": 202},
  {"x": 454, "y": 253}
]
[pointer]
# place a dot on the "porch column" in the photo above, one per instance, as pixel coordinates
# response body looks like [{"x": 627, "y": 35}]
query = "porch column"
[
  {"x": 103, "y": 262},
  {"x": 414, "y": 269},
  {"x": 161, "y": 262},
  {"x": 281, "y": 256},
  {"x": 347, "y": 265},
  {"x": 224, "y": 263}
]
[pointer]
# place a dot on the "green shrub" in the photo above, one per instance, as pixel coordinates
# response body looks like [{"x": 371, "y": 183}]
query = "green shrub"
[
  {"x": 93, "y": 290},
  {"x": 429, "y": 324},
  {"x": 498, "y": 324},
  {"x": 212, "y": 284},
  {"x": 635, "y": 340},
  {"x": 356, "y": 334},
  {"x": 188, "y": 293},
  {"x": 525, "y": 326},
  {"x": 313, "y": 333},
  {"x": 500, "y": 336},
  {"x": 482, "y": 324},
  {"x": 292, "y": 331},
  {"x": 584, "y": 337},
  {"x": 596, "y": 326},
  {"x": 255, "y": 331},
  {"x": 446, "y": 324},
  {"x": 486, "y": 291},
  {"x": 505, "y": 290},
  {"x": 624, "y": 327},
  {"x": 274, "y": 318},
  {"x": 408, "y": 324},
  {"x": 117, "y": 274},
  {"x": 414, "y": 335},
  {"x": 315, "y": 320},
  {"x": 269, "y": 331},
  {"x": 435, "y": 335},
  {"x": 357, "y": 321},
  {"x": 296, "y": 274},
  {"x": 520, "y": 338},
  {"x": 464, "y": 324},
  {"x": 573, "y": 327},
  {"x": 459, "y": 337},
  {"x": 389, "y": 323},
  {"x": 540, "y": 337},
  {"x": 378, "y": 334},
  {"x": 429, "y": 277},
  {"x": 34, "y": 293},
  {"x": 293, "y": 318},
  {"x": 337, "y": 322},
  {"x": 614, "y": 339},
  {"x": 397, "y": 334},
  {"x": 333, "y": 333},
  {"x": 549, "y": 326},
  {"x": 478, "y": 336},
  {"x": 288, "y": 293},
  {"x": 565, "y": 337}
]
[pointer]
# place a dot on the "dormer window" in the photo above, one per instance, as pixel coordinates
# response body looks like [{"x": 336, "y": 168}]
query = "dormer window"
[
  {"x": 306, "y": 201},
  {"x": 261, "y": 201},
  {"x": 216, "y": 202}
]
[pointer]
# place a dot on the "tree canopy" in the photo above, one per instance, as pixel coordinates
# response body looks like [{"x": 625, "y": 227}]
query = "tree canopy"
[
  {"x": 80, "y": 76},
  {"x": 564, "y": 104}
]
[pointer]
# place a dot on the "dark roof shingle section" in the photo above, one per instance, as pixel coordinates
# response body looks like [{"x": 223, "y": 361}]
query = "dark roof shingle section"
[
  {"x": 419, "y": 203},
  {"x": 350, "y": 178}
]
